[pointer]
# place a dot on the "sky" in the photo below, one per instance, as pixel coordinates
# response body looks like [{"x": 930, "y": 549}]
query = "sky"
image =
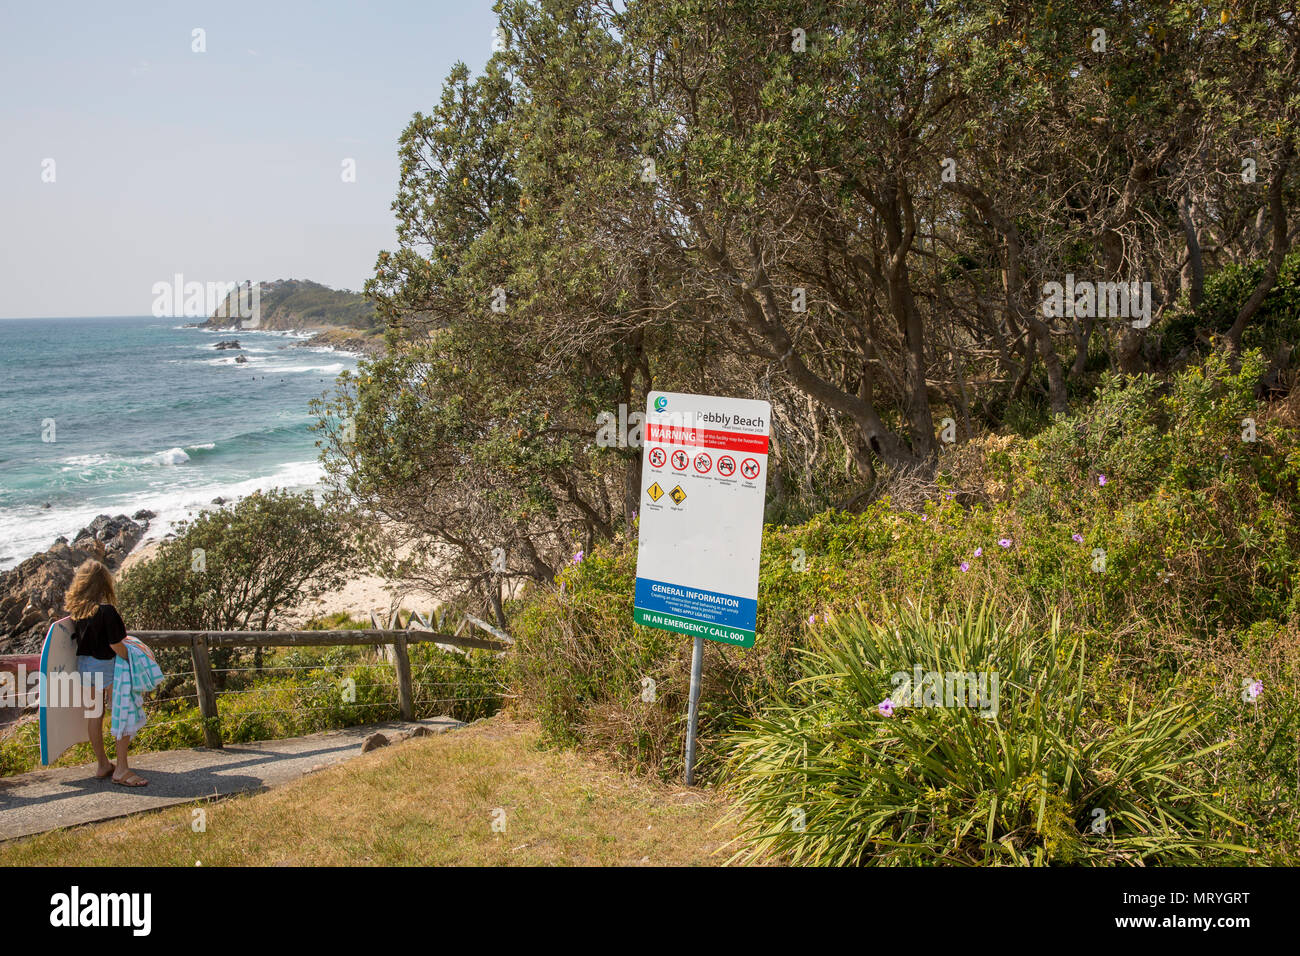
[{"x": 221, "y": 165}]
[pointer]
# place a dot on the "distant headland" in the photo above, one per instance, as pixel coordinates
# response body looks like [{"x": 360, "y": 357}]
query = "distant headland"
[{"x": 342, "y": 319}]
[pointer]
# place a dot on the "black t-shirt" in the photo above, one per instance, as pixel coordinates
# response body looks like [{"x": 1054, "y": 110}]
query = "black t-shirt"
[{"x": 94, "y": 634}]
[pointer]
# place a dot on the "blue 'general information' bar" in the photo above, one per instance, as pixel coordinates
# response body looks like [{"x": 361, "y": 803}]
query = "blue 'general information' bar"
[{"x": 697, "y": 603}]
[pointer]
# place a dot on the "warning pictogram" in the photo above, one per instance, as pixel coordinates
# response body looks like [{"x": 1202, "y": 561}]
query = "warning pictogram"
[
  {"x": 680, "y": 459},
  {"x": 657, "y": 457},
  {"x": 677, "y": 495},
  {"x": 655, "y": 492},
  {"x": 703, "y": 463},
  {"x": 726, "y": 466},
  {"x": 749, "y": 468}
]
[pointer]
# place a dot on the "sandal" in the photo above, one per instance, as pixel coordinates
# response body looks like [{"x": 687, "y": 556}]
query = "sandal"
[{"x": 132, "y": 779}]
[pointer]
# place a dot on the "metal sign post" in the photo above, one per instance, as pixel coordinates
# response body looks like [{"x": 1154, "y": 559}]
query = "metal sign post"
[
  {"x": 693, "y": 711},
  {"x": 703, "y": 488}
]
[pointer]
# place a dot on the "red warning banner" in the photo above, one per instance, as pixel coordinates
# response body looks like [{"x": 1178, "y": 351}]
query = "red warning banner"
[{"x": 707, "y": 438}]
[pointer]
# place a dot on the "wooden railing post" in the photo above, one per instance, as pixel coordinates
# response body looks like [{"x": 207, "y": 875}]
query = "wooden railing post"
[
  {"x": 402, "y": 661},
  {"x": 207, "y": 691}
]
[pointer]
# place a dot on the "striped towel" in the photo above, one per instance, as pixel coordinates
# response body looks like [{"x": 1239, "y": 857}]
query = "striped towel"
[{"x": 132, "y": 676}]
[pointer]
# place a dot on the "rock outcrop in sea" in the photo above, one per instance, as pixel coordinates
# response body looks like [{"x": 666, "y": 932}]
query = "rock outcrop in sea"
[{"x": 31, "y": 594}]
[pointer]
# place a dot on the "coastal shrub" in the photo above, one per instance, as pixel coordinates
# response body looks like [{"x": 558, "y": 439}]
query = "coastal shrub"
[
  {"x": 1176, "y": 573},
  {"x": 237, "y": 568},
  {"x": 878, "y": 755},
  {"x": 1276, "y": 324}
]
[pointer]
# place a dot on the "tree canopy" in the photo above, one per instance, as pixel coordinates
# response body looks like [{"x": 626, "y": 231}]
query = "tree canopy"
[{"x": 854, "y": 210}]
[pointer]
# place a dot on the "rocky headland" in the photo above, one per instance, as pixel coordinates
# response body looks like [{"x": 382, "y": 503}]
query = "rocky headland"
[{"x": 31, "y": 594}]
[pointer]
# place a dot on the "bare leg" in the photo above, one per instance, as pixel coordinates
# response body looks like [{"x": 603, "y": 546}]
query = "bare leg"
[
  {"x": 124, "y": 773},
  {"x": 95, "y": 729}
]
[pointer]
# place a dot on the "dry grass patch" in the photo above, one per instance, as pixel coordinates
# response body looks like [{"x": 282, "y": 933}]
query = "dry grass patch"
[{"x": 429, "y": 801}]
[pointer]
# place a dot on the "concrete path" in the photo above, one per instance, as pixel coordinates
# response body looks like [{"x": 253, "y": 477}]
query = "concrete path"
[{"x": 67, "y": 796}]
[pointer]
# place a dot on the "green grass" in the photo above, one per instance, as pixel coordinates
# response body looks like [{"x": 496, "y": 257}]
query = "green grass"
[{"x": 429, "y": 801}]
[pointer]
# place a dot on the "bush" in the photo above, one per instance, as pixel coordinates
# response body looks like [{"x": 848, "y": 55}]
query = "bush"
[
  {"x": 825, "y": 778},
  {"x": 1177, "y": 576},
  {"x": 236, "y": 569},
  {"x": 1277, "y": 323}
]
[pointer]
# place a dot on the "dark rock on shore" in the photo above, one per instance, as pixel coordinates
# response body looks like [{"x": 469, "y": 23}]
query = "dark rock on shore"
[
  {"x": 118, "y": 536},
  {"x": 346, "y": 340},
  {"x": 232, "y": 344},
  {"x": 31, "y": 595}
]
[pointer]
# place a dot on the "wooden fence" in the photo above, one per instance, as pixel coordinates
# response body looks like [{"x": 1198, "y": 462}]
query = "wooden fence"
[{"x": 199, "y": 643}]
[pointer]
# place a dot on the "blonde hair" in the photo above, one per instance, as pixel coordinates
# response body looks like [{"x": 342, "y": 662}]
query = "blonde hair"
[{"x": 91, "y": 586}]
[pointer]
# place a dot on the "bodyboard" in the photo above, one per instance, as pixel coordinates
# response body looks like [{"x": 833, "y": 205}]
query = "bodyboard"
[{"x": 63, "y": 714}]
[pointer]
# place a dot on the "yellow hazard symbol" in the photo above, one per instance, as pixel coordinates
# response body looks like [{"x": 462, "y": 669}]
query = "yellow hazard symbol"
[
  {"x": 655, "y": 492},
  {"x": 677, "y": 495}
]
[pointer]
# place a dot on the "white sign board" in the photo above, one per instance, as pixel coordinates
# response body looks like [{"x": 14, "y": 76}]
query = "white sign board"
[{"x": 703, "y": 486}]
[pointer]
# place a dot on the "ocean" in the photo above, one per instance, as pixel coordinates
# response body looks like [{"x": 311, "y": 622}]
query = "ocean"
[{"x": 144, "y": 413}]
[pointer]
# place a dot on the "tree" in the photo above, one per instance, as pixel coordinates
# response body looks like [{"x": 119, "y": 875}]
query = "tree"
[
  {"x": 851, "y": 209},
  {"x": 239, "y": 568}
]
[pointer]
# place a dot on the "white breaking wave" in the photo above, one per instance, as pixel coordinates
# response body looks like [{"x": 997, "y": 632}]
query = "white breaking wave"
[
  {"x": 332, "y": 369},
  {"x": 172, "y": 456},
  {"x": 29, "y": 530}
]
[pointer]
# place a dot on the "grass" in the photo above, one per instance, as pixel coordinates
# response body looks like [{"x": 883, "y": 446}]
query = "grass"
[{"x": 425, "y": 802}]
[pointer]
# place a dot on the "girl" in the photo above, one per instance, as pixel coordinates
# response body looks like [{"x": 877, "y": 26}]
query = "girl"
[{"x": 99, "y": 632}]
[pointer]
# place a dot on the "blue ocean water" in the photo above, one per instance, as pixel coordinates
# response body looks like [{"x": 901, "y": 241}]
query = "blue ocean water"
[{"x": 146, "y": 414}]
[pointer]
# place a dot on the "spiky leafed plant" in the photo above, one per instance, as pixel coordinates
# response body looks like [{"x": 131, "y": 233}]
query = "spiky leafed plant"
[{"x": 827, "y": 778}]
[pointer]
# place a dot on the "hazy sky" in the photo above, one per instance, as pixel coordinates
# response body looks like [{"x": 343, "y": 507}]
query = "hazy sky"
[{"x": 222, "y": 166}]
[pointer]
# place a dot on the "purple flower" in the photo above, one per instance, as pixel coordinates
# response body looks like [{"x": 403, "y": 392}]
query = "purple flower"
[
  {"x": 1004, "y": 542},
  {"x": 577, "y": 558},
  {"x": 979, "y": 552},
  {"x": 1101, "y": 479},
  {"x": 925, "y": 517},
  {"x": 826, "y": 617},
  {"x": 886, "y": 708},
  {"x": 1077, "y": 537},
  {"x": 965, "y": 566},
  {"x": 812, "y": 619},
  {"x": 1254, "y": 690}
]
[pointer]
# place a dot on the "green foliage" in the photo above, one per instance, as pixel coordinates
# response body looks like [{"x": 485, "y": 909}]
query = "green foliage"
[
  {"x": 1277, "y": 323},
  {"x": 301, "y": 691},
  {"x": 825, "y": 778},
  {"x": 238, "y": 568},
  {"x": 1199, "y": 532},
  {"x": 316, "y": 303},
  {"x": 626, "y": 196}
]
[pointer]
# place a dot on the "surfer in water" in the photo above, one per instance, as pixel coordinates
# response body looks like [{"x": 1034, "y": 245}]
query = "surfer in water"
[{"x": 99, "y": 632}]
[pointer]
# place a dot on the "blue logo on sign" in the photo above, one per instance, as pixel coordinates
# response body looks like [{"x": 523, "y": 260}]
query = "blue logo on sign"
[{"x": 661, "y": 403}]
